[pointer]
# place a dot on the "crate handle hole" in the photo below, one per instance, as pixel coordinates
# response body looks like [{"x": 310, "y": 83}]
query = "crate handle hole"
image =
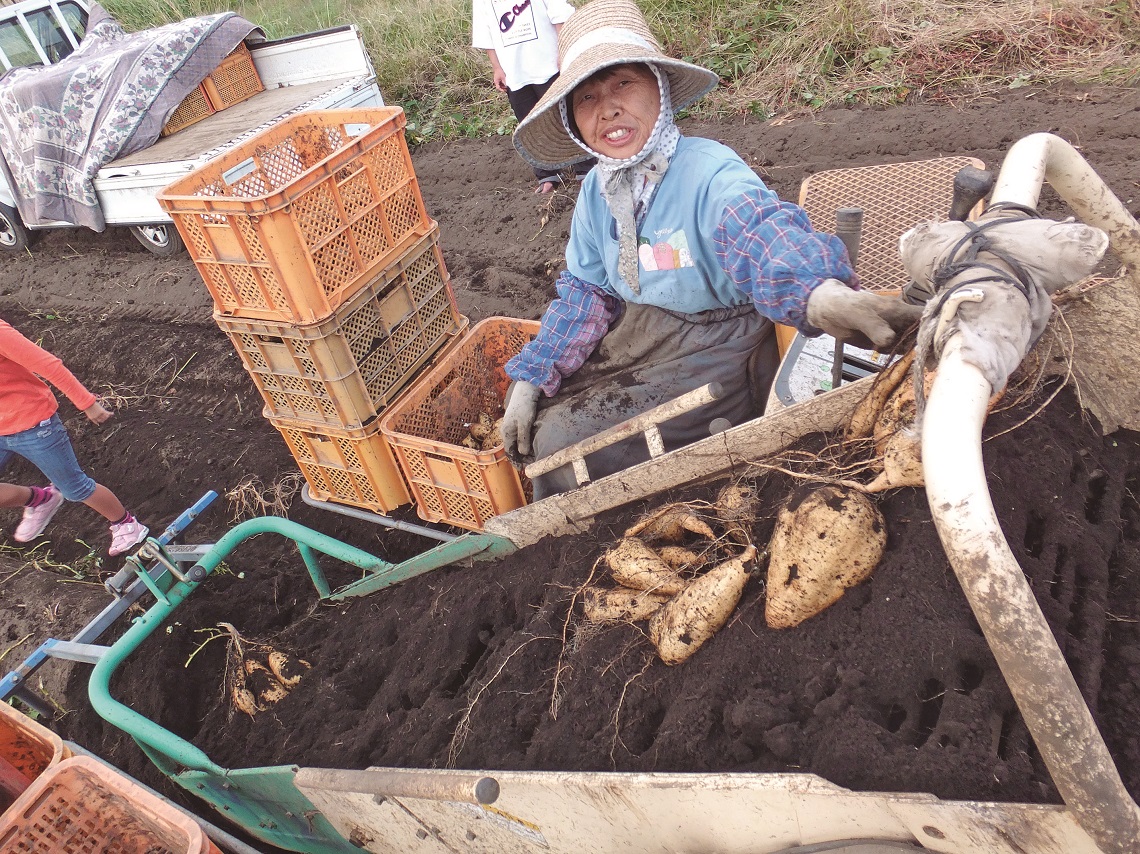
[
  {"x": 236, "y": 173},
  {"x": 357, "y": 128}
]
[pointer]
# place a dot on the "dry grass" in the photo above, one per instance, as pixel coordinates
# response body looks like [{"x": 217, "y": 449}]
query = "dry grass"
[
  {"x": 251, "y": 498},
  {"x": 816, "y": 52},
  {"x": 773, "y": 58}
]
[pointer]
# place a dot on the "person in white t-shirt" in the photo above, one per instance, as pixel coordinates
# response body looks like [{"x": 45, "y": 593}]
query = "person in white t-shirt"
[{"x": 521, "y": 40}]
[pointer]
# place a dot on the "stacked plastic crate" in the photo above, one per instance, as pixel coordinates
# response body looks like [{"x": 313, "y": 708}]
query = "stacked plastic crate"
[
  {"x": 327, "y": 276},
  {"x": 233, "y": 81}
]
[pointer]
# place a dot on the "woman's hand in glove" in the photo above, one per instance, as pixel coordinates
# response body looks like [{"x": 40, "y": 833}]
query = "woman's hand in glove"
[
  {"x": 862, "y": 318},
  {"x": 518, "y": 421}
]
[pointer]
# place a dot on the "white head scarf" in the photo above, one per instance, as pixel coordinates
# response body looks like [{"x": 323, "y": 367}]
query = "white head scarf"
[{"x": 628, "y": 185}]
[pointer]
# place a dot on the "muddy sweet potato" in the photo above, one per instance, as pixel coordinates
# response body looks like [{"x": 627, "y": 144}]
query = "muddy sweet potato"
[{"x": 699, "y": 611}]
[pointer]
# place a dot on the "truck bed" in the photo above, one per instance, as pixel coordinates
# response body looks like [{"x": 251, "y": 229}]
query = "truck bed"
[{"x": 225, "y": 126}]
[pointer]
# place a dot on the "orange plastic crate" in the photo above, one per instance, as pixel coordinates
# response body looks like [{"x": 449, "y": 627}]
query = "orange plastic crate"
[
  {"x": 194, "y": 107},
  {"x": 348, "y": 466},
  {"x": 449, "y": 482},
  {"x": 234, "y": 80},
  {"x": 27, "y": 750},
  {"x": 343, "y": 371},
  {"x": 290, "y": 224},
  {"x": 81, "y": 806}
]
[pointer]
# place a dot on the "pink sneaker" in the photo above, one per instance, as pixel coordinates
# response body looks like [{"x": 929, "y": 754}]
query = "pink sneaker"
[
  {"x": 126, "y": 535},
  {"x": 37, "y": 518}
]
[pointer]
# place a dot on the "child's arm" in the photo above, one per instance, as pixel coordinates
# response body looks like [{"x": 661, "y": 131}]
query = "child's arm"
[
  {"x": 96, "y": 413},
  {"x": 500, "y": 76},
  {"x": 39, "y": 361}
]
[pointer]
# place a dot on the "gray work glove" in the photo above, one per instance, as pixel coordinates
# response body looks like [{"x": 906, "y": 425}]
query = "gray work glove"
[
  {"x": 518, "y": 421},
  {"x": 861, "y": 318}
]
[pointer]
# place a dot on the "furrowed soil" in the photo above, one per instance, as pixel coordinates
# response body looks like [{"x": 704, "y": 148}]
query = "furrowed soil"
[{"x": 892, "y": 688}]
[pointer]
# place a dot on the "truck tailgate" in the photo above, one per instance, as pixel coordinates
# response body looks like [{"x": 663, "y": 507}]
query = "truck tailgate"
[{"x": 226, "y": 126}]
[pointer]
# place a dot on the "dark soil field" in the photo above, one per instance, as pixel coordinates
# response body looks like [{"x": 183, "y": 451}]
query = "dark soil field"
[{"x": 893, "y": 688}]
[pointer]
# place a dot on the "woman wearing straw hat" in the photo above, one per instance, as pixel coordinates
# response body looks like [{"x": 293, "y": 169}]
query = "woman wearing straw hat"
[{"x": 679, "y": 259}]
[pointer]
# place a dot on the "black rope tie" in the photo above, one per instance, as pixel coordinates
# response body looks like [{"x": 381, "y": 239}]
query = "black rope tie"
[{"x": 976, "y": 240}]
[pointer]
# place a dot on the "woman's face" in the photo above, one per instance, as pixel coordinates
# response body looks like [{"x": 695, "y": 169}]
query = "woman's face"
[{"x": 616, "y": 109}]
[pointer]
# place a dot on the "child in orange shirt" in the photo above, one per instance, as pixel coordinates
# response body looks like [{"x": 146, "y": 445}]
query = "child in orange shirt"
[{"x": 30, "y": 427}]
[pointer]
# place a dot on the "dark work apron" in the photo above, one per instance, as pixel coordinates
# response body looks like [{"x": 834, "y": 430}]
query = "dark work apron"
[{"x": 649, "y": 356}]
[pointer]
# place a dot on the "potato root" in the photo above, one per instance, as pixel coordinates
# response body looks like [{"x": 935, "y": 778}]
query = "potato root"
[
  {"x": 825, "y": 541},
  {"x": 699, "y": 611},
  {"x": 621, "y": 605},
  {"x": 637, "y": 566}
]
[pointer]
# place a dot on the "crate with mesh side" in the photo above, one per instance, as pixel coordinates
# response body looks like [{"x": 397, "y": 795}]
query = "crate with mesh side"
[
  {"x": 194, "y": 107},
  {"x": 290, "y": 224},
  {"x": 27, "y": 750},
  {"x": 234, "y": 80},
  {"x": 893, "y": 197},
  {"x": 82, "y": 806},
  {"x": 354, "y": 467},
  {"x": 426, "y": 426},
  {"x": 343, "y": 371}
]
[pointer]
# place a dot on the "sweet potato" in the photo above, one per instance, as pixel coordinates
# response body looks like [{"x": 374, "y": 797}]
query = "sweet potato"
[
  {"x": 681, "y": 558},
  {"x": 637, "y": 566},
  {"x": 264, "y": 685},
  {"x": 243, "y": 699},
  {"x": 825, "y": 541},
  {"x": 736, "y": 506},
  {"x": 286, "y": 668},
  {"x": 866, "y": 411},
  {"x": 623, "y": 604},
  {"x": 902, "y": 463},
  {"x": 669, "y": 523},
  {"x": 698, "y": 612}
]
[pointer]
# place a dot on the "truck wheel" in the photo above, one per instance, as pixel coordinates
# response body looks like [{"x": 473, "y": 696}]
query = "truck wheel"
[
  {"x": 14, "y": 235},
  {"x": 162, "y": 240}
]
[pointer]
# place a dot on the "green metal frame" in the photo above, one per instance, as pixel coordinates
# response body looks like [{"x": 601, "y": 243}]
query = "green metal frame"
[{"x": 262, "y": 800}]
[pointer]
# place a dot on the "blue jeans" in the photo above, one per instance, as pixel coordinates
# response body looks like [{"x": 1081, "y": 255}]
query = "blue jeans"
[{"x": 48, "y": 447}]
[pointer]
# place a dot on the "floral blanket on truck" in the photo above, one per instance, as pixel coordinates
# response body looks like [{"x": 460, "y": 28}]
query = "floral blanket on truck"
[{"x": 60, "y": 124}]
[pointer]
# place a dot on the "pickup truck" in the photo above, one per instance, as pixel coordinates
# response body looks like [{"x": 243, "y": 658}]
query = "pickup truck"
[{"x": 329, "y": 69}]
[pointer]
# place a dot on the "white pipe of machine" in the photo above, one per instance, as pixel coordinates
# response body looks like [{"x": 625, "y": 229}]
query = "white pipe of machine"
[
  {"x": 1001, "y": 599},
  {"x": 1045, "y": 157},
  {"x": 1008, "y": 613}
]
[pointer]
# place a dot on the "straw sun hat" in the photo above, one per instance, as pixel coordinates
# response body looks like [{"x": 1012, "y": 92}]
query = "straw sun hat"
[{"x": 600, "y": 34}]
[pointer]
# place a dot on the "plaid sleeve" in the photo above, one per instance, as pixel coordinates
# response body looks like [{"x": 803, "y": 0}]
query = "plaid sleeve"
[
  {"x": 572, "y": 326},
  {"x": 769, "y": 250}
]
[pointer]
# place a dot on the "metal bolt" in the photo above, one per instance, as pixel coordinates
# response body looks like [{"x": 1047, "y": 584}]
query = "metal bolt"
[
  {"x": 421, "y": 833},
  {"x": 378, "y": 799},
  {"x": 719, "y": 425},
  {"x": 471, "y": 836},
  {"x": 934, "y": 832},
  {"x": 226, "y": 807}
]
